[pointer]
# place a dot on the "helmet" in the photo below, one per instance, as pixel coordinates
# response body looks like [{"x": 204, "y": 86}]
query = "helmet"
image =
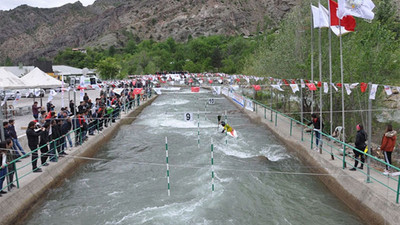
[{"x": 223, "y": 123}]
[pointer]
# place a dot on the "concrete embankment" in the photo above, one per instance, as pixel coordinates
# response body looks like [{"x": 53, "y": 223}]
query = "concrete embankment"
[
  {"x": 18, "y": 204},
  {"x": 372, "y": 202}
]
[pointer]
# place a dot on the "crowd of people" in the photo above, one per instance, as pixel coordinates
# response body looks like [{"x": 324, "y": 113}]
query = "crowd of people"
[
  {"x": 387, "y": 146},
  {"x": 50, "y": 133}
]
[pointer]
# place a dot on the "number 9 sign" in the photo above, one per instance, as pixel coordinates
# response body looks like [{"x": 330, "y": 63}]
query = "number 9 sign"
[{"x": 188, "y": 117}]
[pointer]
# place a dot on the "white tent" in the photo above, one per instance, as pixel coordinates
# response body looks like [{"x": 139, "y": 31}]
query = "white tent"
[
  {"x": 10, "y": 81},
  {"x": 39, "y": 79}
]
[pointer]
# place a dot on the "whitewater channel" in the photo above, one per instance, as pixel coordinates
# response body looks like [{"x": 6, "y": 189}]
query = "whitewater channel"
[{"x": 126, "y": 182}]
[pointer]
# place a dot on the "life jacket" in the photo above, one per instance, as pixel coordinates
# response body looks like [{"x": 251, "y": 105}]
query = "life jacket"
[{"x": 228, "y": 128}]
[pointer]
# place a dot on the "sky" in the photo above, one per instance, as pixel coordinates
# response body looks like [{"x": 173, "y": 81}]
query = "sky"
[{"x": 11, "y": 4}]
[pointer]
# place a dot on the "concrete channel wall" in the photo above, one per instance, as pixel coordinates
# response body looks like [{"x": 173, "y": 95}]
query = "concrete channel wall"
[
  {"x": 20, "y": 203},
  {"x": 368, "y": 201}
]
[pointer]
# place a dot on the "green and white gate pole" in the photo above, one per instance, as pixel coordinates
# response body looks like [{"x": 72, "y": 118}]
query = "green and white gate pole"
[
  {"x": 226, "y": 133},
  {"x": 166, "y": 158},
  {"x": 212, "y": 165}
]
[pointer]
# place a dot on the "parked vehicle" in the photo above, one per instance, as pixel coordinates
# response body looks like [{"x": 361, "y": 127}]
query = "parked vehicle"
[
  {"x": 30, "y": 93},
  {"x": 9, "y": 93}
]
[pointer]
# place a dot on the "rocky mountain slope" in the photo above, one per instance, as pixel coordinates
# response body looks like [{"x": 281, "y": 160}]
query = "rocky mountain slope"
[{"x": 29, "y": 33}]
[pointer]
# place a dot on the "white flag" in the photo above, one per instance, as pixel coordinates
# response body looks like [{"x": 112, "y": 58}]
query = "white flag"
[
  {"x": 398, "y": 89},
  {"x": 277, "y": 86},
  {"x": 320, "y": 19},
  {"x": 347, "y": 86},
  {"x": 372, "y": 94},
  {"x": 357, "y": 8},
  {"x": 295, "y": 87},
  {"x": 303, "y": 85},
  {"x": 388, "y": 90},
  {"x": 326, "y": 88},
  {"x": 334, "y": 86},
  {"x": 354, "y": 85}
]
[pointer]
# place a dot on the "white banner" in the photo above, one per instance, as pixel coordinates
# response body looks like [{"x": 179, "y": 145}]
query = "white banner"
[
  {"x": 295, "y": 88},
  {"x": 225, "y": 91},
  {"x": 216, "y": 90},
  {"x": 326, "y": 88},
  {"x": 238, "y": 99},
  {"x": 303, "y": 85},
  {"x": 372, "y": 94},
  {"x": 157, "y": 91},
  {"x": 277, "y": 87},
  {"x": 388, "y": 90},
  {"x": 334, "y": 87},
  {"x": 249, "y": 105},
  {"x": 347, "y": 86}
]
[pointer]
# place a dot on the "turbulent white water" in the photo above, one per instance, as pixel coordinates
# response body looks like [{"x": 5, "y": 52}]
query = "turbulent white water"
[{"x": 130, "y": 186}]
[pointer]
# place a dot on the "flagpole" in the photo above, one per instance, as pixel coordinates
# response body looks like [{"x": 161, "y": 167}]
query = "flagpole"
[
  {"x": 320, "y": 79},
  {"x": 330, "y": 75},
  {"x": 312, "y": 62},
  {"x": 342, "y": 80}
]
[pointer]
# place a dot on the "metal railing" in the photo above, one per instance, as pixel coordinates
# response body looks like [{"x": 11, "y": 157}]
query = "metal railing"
[
  {"x": 56, "y": 147},
  {"x": 336, "y": 148}
]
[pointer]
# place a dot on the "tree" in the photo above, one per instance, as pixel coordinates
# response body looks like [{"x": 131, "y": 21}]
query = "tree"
[
  {"x": 108, "y": 68},
  {"x": 8, "y": 62}
]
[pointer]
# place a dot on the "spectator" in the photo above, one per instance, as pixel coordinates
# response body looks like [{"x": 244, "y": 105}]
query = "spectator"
[
  {"x": 317, "y": 129},
  {"x": 14, "y": 137},
  {"x": 86, "y": 98},
  {"x": 7, "y": 134},
  {"x": 361, "y": 138},
  {"x": 35, "y": 110},
  {"x": 43, "y": 144},
  {"x": 82, "y": 107},
  {"x": 11, "y": 167},
  {"x": 387, "y": 146},
  {"x": 42, "y": 118},
  {"x": 78, "y": 128},
  {"x": 33, "y": 141},
  {"x": 3, "y": 168},
  {"x": 60, "y": 141},
  {"x": 65, "y": 128},
  {"x": 72, "y": 107},
  {"x": 49, "y": 104}
]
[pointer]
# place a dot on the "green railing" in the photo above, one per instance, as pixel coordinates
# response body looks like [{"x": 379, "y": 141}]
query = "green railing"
[
  {"x": 55, "y": 146},
  {"x": 337, "y": 151}
]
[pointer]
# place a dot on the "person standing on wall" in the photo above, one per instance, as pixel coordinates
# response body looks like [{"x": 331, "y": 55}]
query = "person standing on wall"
[
  {"x": 387, "y": 146},
  {"x": 14, "y": 138},
  {"x": 315, "y": 121},
  {"x": 3, "y": 165},
  {"x": 33, "y": 141},
  {"x": 361, "y": 138}
]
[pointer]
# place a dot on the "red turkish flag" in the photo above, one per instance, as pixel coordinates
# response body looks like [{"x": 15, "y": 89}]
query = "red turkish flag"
[
  {"x": 190, "y": 80},
  {"x": 195, "y": 89},
  {"x": 293, "y": 82},
  {"x": 363, "y": 87},
  {"x": 137, "y": 91},
  {"x": 210, "y": 81},
  {"x": 237, "y": 79},
  {"x": 348, "y": 22},
  {"x": 311, "y": 86},
  {"x": 286, "y": 82},
  {"x": 134, "y": 82},
  {"x": 319, "y": 84},
  {"x": 339, "y": 85},
  {"x": 257, "y": 87}
]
